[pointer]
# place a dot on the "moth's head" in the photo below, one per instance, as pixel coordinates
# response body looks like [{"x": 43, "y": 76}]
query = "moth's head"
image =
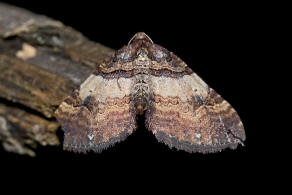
[{"x": 140, "y": 37}]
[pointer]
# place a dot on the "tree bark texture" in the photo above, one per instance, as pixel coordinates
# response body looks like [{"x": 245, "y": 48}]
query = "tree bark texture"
[{"x": 41, "y": 62}]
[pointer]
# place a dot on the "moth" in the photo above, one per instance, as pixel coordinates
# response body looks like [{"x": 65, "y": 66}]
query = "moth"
[{"x": 181, "y": 110}]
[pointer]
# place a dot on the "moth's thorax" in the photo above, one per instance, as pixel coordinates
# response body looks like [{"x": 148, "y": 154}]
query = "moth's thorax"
[
  {"x": 142, "y": 61},
  {"x": 141, "y": 87}
]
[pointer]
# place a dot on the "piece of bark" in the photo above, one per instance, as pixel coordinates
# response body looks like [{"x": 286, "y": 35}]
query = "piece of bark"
[
  {"x": 21, "y": 131},
  {"x": 41, "y": 62}
]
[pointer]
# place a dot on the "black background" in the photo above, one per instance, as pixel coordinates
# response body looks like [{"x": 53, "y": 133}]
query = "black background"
[{"x": 218, "y": 41}]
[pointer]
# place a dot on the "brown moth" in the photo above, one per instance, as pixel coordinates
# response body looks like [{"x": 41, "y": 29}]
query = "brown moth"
[{"x": 181, "y": 110}]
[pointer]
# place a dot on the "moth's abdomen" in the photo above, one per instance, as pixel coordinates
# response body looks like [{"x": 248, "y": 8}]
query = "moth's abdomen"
[{"x": 140, "y": 95}]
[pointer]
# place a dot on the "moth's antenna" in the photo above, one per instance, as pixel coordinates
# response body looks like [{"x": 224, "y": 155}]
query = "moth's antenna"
[
  {"x": 132, "y": 39},
  {"x": 140, "y": 35}
]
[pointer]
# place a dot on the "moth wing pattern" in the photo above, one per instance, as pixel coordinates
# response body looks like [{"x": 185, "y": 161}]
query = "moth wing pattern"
[
  {"x": 97, "y": 115},
  {"x": 181, "y": 109},
  {"x": 187, "y": 114}
]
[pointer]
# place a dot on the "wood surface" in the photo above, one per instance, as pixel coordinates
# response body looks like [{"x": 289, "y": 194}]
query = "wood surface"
[{"x": 41, "y": 62}]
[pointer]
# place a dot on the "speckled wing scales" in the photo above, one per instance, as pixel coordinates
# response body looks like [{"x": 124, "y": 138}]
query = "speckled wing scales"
[
  {"x": 181, "y": 109},
  {"x": 186, "y": 114},
  {"x": 97, "y": 115}
]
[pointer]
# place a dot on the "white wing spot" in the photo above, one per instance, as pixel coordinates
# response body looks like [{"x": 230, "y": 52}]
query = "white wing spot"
[
  {"x": 198, "y": 135},
  {"x": 90, "y": 136}
]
